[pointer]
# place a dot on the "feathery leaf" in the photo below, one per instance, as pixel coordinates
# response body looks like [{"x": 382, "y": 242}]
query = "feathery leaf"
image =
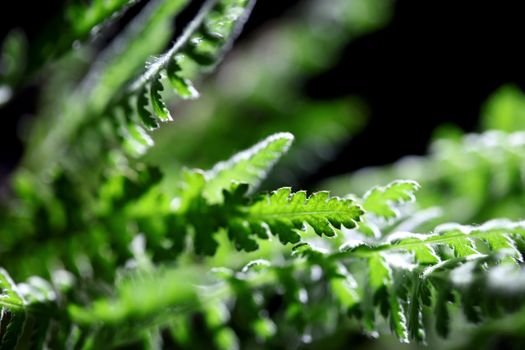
[
  {"x": 283, "y": 213},
  {"x": 250, "y": 166},
  {"x": 380, "y": 199}
]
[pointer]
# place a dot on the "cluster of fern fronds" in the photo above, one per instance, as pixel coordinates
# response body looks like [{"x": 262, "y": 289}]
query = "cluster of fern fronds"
[{"x": 107, "y": 241}]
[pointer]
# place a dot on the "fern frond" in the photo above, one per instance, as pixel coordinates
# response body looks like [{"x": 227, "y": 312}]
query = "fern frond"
[
  {"x": 382, "y": 205},
  {"x": 209, "y": 201},
  {"x": 510, "y": 325},
  {"x": 140, "y": 104},
  {"x": 250, "y": 166},
  {"x": 9, "y": 295},
  {"x": 78, "y": 22},
  {"x": 26, "y": 310},
  {"x": 461, "y": 240},
  {"x": 282, "y": 213},
  {"x": 88, "y": 112},
  {"x": 175, "y": 289},
  {"x": 401, "y": 292},
  {"x": 322, "y": 212},
  {"x": 379, "y": 200},
  {"x": 85, "y": 17},
  {"x": 471, "y": 177},
  {"x": 402, "y": 257},
  {"x": 265, "y": 101},
  {"x": 158, "y": 105},
  {"x": 203, "y": 42},
  {"x": 13, "y": 60},
  {"x": 504, "y": 110},
  {"x": 139, "y": 200}
]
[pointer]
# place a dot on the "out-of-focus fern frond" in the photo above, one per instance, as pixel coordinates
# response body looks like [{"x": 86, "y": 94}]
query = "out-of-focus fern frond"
[
  {"x": 377, "y": 200},
  {"x": 479, "y": 176},
  {"x": 202, "y": 42},
  {"x": 504, "y": 110},
  {"x": 250, "y": 166},
  {"x": 77, "y": 22},
  {"x": 265, "y": 101},
  {"x": 106, "y": 251},
  {"x": 145, "y": 35},
  {"x": 13, "y": 62}
]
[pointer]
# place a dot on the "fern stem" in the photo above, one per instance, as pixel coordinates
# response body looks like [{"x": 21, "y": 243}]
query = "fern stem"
[
  {"x": 163, "y": 61},
  {"x": 365, "y": 251},
  {"x": 297, "y": 214}
]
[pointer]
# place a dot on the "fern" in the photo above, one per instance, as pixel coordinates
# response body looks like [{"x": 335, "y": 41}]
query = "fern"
[
  {"x": 10, "y": 296},
  {"x": 13, "y": 62},
  {"x": 78, "y": 22},
  {"x": 109, "y": 250},
  {"x": 282, "y": 210},
  {"x": 504, "y": 110},
  {"x": 266, "y": 101},
  {"x": 84, "y": 18},
  {"x": 475, "y": 175},
  {"x": 202, "y": 41},
  {"x": 280, "y": 213},
  {"x": 24, "y": 320},
  {"x": 446, "y": 248},
  {"x": 378, "y": 199},
  {"x": 174, "y": 289},
  {"x": 262, "y": 212},
  {"x": 401, "y": 258},
  {"x": 88, "y": 101},
  {"x": 401, "y": 290},
  {"x": 250, "y": 166}
]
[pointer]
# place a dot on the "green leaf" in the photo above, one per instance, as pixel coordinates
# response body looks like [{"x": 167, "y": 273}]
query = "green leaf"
[
  {"x": 345, "y": 291},
  {"x": 250, "y": 166},
  {"x": 137, "y": 301},
  {"x": 441, "y": 311},
  {"x": 13, "y": 331},
  {"x": 460, "y": 176},
  {"x": 13, "y": 59},
  {"x": 503, "y": 242},
  {"x": 10, "y": 297},
  {"x": 398, "y": 322},
  {"x": 84, "y": 17},
  {"x": 142, "y": 109},
  {"x": 500, "y": 234},
  {"x": 379, "y": 273},
  {"x": 183, "y": 87},
  {"x": 239, "y": 232},
  {"x": 159, "y": 107},
  {"x": 415, "y": 317},
  {"x": 204, "y": 49},
  {"x": 504, "y": 110},
  {"x": 284, "y": 212},
  {"x": 381, "y": 200},
  {"x": 191, "y": 190},
  {"x": 424, "y": 254}
]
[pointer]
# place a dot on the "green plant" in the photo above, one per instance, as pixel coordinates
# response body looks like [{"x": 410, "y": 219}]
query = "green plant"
[{"x": 103, "y": 245}]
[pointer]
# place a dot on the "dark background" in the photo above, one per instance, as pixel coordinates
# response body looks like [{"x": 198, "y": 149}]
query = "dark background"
[{"x": 436, "y": 62}]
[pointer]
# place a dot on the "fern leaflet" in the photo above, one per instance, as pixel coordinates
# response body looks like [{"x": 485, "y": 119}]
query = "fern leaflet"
[
  {"x": 249, "y": 166},
  {"x": 203, "y": 41}
]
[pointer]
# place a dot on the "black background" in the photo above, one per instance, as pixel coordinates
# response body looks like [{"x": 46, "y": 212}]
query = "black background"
[{"x": 436, "y": 62}]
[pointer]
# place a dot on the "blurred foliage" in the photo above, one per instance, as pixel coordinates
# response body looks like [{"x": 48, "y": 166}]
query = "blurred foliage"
[
  {"x": 258, "y": 92},
  {"x": 478, "y": 176},
  {"x": 467, "y": 178},
  {"x": 107, "y": 241},
  {"x": 504, "y": 110}
]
